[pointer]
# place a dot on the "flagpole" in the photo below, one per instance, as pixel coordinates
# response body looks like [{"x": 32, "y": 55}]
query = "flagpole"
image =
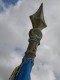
[{"x": 22, "y": 72}]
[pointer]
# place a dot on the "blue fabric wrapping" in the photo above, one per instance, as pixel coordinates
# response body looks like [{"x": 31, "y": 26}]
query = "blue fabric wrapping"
[{"x": 25, "y": 70}]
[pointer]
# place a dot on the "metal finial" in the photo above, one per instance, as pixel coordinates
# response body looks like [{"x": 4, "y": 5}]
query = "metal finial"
[{"x": 37, "y": 18}]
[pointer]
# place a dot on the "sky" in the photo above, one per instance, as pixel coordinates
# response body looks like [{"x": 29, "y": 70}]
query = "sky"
[{"x": 14, "y": 27}]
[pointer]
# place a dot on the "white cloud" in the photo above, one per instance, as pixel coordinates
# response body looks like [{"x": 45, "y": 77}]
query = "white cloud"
[{"x": 14, "y": 27}]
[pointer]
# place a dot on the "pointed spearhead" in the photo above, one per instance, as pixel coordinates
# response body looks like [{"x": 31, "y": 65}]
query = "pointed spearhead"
[{"x": 37, "y": 19}]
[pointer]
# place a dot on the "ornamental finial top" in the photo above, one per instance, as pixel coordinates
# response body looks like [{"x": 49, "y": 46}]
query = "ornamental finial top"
[{"x": 37, "y": 19}]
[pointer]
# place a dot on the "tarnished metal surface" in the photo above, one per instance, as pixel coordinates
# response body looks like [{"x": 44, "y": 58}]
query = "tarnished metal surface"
[
  {"x": 35, "y": 34},
  {"x": 37, "y": 19}
]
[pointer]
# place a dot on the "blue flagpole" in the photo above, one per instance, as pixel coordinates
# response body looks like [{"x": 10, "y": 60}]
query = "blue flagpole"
[{"x": 23, "y": 71}]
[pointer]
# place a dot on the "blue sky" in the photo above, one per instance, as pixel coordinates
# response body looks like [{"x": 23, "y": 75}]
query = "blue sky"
[{"x": 7, "y": 4}]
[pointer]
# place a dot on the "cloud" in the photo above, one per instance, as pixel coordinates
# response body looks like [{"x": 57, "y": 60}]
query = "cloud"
[
  {"x": 14, "y": 27},
  {"x": 43, "y": 72}
]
